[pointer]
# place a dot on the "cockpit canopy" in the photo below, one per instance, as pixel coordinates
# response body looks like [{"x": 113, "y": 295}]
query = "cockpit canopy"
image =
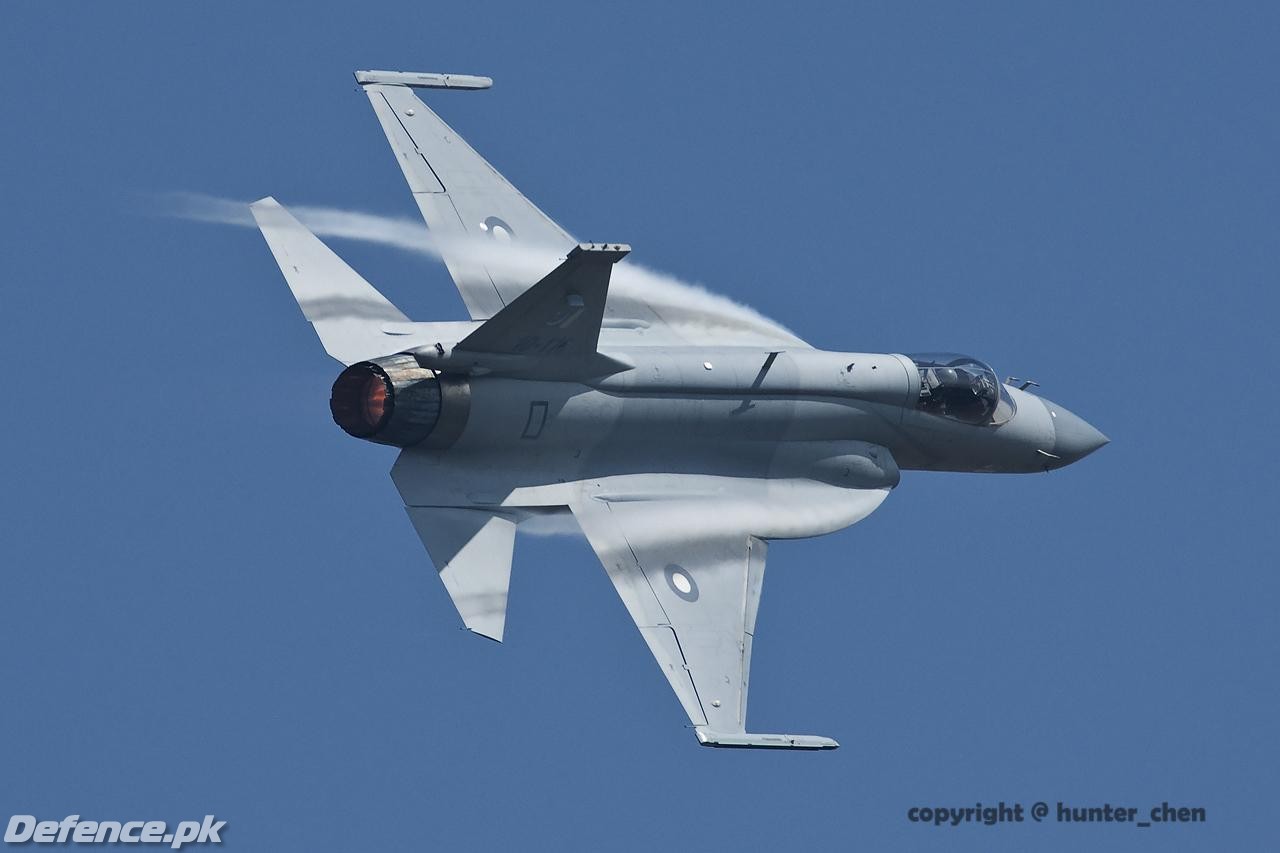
[{"x": 962, "y": 388}]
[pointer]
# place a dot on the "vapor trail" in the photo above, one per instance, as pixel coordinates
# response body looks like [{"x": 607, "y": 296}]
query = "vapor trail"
[{"x": 682, "y": 304}]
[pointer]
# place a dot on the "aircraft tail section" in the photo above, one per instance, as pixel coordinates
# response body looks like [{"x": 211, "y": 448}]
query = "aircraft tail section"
[
  {"x": 472, "y": 551},
  {"x": 346, "y": 311},
  {"x": 555, "y": 325}
]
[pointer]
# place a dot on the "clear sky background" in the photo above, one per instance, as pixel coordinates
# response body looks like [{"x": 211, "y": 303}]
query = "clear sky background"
[{"x": 211, "y": 600}]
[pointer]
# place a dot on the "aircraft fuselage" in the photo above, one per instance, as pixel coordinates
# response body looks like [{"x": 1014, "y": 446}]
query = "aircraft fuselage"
[{"x": 738, "y": 411}]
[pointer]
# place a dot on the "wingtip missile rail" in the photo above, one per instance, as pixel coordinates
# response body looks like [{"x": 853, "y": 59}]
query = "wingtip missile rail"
[{"x": 423, "y": 80}]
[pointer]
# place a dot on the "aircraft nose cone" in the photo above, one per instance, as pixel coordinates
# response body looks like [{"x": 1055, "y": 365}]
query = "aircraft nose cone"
[{"x": 1074, "y": 437}]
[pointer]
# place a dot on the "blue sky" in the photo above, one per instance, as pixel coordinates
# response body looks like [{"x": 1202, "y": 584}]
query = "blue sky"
[{"x": 211, "y": 600}]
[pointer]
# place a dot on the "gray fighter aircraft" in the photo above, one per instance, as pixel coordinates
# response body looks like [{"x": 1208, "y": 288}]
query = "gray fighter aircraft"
[{"x": 680, "y": 437}]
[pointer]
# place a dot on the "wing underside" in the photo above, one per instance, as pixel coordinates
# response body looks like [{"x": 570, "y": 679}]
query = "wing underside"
[
  {"x": 694, "y": 600},
  {"x": 496, "y": 243},
  {"x": 685, "y": 552},
  {"x": 475, "y": 215},
  {"x": 690, "y": 571}
]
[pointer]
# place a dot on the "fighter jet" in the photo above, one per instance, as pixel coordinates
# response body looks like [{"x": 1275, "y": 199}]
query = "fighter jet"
[{"x": 679, "y": 437}]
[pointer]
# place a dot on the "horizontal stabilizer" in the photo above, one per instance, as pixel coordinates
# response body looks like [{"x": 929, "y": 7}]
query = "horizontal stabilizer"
[
  {"x": 559, "y": 317},
  {"x": 346, "y": 311},
  {"x": 472, "y": 551}
]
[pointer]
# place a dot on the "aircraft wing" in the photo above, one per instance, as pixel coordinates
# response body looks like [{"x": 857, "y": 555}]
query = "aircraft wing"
[
  {"x": 466, "y": 202},
  {"x": 689, "y": 566},
  {"x": 496, "y": 243}
]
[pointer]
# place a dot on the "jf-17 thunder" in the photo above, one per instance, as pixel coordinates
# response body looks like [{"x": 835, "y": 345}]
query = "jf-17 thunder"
[{"x": 681, "y": 436}]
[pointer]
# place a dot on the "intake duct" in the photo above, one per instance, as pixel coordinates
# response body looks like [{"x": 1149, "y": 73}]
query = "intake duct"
[{"x": 395, "y": 401}]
